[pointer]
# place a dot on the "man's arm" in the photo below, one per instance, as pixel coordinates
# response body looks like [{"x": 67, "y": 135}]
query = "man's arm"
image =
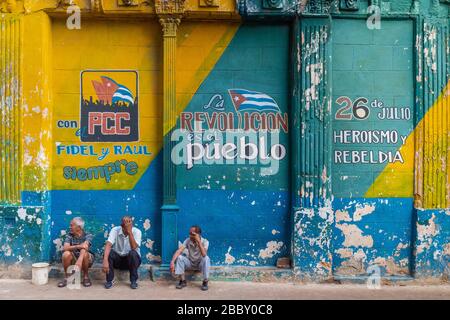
[
  {"x": 68, "y": 247},
  {"x": 200, "y": 245},
  {"x": 175, "y": 256},
  {"x": 133, "y": 243},
  {"x": 79, "y": 262},
  {"x": 108, "y": 247},
  {"x": 202, "y": 249}
]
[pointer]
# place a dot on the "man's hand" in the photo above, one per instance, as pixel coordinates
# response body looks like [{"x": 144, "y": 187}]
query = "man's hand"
[
  {"x": 172, "y": 267},
  {"x": 197, "y": 237},
  {"x": 84, "y": 245},
  {"x": 128, "y": 225},
  {"x": 105, "y": 267}
]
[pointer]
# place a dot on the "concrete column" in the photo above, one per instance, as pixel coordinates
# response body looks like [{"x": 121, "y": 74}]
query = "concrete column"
[
  {"x": 169, "y": 103},
  {"x": 311, "y": 151},
  {"x": 169, "y": 13},
  {"x": 10, "y": 127}
]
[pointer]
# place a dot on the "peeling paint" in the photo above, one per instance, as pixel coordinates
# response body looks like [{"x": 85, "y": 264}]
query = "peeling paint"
[
  {"x": 425, "y": 234},
  {"x": 6, "y": 250},
  {"x": 22, "y": 213},
  {"x": 362, "y": 211},
  {"x": 149, "y": 244},
  {"x": 273, "y": 247},
  {"x": 390, "y": 266},
  {"x": 146, "y": 224},
  {"x": 58, "y": 244},
  {"x": 354, "y": 236},
  {"x": 342, "y": 215},
  {"x": 229, "y": 259}
]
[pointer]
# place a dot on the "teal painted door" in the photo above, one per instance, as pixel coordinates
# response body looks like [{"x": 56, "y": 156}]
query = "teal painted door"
[
  {"x": 241, "y": 199},
  {"x": 372, "y": 169}
]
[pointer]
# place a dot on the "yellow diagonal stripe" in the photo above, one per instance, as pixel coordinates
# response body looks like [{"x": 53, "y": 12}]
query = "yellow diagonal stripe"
[
  {"x": 199, "y": 49},
  {"x": 397, "y": 179}
]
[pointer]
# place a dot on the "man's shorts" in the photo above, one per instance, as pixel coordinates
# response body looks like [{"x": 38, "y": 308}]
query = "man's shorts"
[{"x": 75, "y": 258}]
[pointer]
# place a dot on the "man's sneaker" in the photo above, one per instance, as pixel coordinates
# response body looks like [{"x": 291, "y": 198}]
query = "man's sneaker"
[
  {"x": 134, "y": 285},
  {"x": 108, "y": 284},
  {"x": 181, "y": 284},
  {"x": 205, "y": 285}
]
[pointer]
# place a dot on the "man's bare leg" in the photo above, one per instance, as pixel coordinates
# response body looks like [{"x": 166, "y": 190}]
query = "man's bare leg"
[
  {"x": 66, "y": 261},
  {"x": 81, "y": 258},
  {"x": 85, "y": 266}
]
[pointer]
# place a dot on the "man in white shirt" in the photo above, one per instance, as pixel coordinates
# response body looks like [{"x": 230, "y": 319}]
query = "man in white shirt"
[
  {"x": 192, "y": 255},
  {"x": 122, "y": 252}
]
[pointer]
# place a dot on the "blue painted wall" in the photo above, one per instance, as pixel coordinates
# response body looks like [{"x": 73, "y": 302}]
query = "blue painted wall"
[{"x": 244, "y": 215}]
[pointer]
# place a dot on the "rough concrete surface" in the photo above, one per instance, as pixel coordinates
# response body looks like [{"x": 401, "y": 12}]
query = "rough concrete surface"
[{"x": 23, "y": 289}]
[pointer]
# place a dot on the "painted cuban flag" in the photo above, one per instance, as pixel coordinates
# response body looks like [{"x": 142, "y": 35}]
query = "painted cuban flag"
[
  {"x": 123, "y": 94},
  {"x": 109, "y": 91},
  {"x": 251, "y": 100}
]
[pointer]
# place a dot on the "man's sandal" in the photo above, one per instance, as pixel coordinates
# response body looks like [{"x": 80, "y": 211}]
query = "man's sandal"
[
  {"x": 87, "y": 282},
  {"x": 62, "y": 283}
]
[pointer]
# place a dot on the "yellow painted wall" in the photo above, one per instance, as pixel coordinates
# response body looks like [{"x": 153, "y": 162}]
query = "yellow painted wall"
[
  {"x": 199, "y": 47},
  {"x": 36, "y": 102},
  {"x": 112, "y": 45},
  {"x": 136, "y": 45}
]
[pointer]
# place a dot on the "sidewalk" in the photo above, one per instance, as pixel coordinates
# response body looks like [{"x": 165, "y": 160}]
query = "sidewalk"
[{"x": 23, "y": 289}]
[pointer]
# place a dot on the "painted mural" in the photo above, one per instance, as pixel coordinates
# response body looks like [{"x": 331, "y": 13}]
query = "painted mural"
[
  {"x": 107, "y": 135},
  {"x": 253, "y": 115},
  {"x": 236, "y": 177},
  {"x": 372, "y": 120}
]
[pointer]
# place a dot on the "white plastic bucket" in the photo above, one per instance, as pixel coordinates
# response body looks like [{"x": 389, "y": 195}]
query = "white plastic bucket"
[{"x": 39, "y": 273}]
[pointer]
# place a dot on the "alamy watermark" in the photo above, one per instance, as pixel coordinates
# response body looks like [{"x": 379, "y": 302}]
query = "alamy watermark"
[
  {"x": 374, "y": 280},
  {"x": 261, "y": 148},
  {"x": 73, "y": 21},
  {"x": 374, "y": 20},
  {"x": 74, "y": 278}
]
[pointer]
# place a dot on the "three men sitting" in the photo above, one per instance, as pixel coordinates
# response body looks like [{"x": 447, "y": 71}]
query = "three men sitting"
[{"x": 122, "y": 251}]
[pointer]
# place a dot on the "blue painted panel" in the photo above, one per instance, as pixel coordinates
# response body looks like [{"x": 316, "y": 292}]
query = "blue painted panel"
[
  {"x": 102, "y": 209},
  {"x": 244, "y": 214},
  {"x": 372, "y": 232},
  {"x": 245, "y": 221}
]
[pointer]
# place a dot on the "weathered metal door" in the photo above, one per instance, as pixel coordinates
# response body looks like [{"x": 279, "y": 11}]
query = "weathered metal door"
[
  {"x": 235, "y": 183},
  {"x": 373, "y": 145}
]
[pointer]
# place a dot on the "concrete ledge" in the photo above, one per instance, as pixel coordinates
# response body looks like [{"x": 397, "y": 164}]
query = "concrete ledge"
[
  {"x": 96, "y": 273},
  {"x": 221, "y": 273},
  {"x": 157, "y": 272},
  {"x": 15, "y": 271},
  {"x": 385, "y": 280}
]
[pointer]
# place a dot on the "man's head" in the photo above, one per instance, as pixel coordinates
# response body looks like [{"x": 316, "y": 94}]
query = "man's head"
[
  {"x": 195, "y": 230},
  {"x": 76, "y": 225},
  {"x": 126, "y": 221}
]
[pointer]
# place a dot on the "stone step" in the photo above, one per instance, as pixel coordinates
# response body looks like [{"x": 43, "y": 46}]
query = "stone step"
[
  {"x": 96, "y": 272},
  {"x": 363, "y": 279},
  {"x": 225, "y": 273},
  {"x": 217, "y": 273}
]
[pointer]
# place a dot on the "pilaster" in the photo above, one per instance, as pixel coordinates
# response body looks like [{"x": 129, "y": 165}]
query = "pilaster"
[
  {"x": 311, "y": 157},
  {"x": 169, "y": 14}
]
